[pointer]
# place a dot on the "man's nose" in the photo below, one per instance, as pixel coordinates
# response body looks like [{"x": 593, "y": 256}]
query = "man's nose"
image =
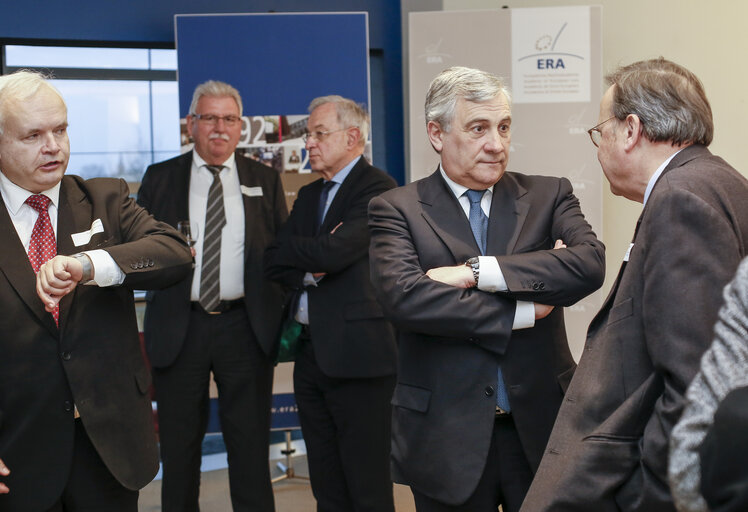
[
  {"x": 50, "y": 143},
  {"x": 493, "y": 142}
]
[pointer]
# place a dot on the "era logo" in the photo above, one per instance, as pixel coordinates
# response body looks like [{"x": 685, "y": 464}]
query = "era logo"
[{"x": 551, "y": 64}]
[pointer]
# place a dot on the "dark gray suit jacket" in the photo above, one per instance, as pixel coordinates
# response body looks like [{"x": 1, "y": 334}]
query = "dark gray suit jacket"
[
  {"x": 164, "y": 192},
  {"x": 92, "y": 360},
  {"x": 452, "y": 340},
  {"x": 609, "y": 447}
]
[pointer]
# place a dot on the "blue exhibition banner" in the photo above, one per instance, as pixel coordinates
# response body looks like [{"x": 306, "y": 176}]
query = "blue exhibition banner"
[{"x": 279, "y": 63}]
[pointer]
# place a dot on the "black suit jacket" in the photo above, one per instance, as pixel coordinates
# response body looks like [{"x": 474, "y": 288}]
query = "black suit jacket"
[
  {"x": 164, "y": 192},
  {"x": 452, "y": 340},
  {"x": 351, "y": 338},
  {"x": 92, "y": 360},
  {"x": 609, "y": 447}
]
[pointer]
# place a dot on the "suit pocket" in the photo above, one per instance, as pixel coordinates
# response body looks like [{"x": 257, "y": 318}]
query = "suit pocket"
[
  {"x": 362, "y": 310},
  {"x": 621, "y": 310},
  {"x": 411, "y": 397}
]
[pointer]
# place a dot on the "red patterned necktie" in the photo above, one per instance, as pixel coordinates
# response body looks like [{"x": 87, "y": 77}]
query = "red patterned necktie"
[{"x": 43, "y": 246}]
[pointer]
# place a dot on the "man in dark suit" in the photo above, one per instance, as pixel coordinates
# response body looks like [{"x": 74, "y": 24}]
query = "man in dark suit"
[
  {"x": 76, "y": 428},
  {"x": 224, "y": 317},
  {"x": 344, "y": 372},
  {"x": 484, "y": 360},
  {"x": 609, "y": 446}
]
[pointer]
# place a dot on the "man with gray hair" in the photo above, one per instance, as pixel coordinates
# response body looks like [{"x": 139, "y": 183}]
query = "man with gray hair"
[
  {"x": 225, "y": 316},
  {"x": 609, "y": 446},
  {"x": 76, "y": 425},
  {"x": 468, "y": 264},
  {"x": 344, "y": 371}
]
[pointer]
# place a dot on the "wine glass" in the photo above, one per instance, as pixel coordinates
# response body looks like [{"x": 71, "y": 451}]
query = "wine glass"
[{"x": 190, "y": 233}]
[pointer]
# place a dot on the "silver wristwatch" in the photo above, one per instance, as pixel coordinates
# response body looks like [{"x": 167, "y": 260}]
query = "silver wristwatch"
[
  {"x": 85, "y": 261},
  {"x": 474, "y": 264}
]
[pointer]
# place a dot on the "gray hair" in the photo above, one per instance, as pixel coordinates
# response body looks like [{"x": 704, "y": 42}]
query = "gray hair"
[
  {"x": 214, "y": 89},
  {"x": 350, "y": 113},
  {"x": 668, "y": 99},
  {"x": 460, "y": 82},
  {"x": 20, "y": 86}
]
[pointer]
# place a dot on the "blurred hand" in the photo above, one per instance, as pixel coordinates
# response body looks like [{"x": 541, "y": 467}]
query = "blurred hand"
[
  {"x": 459, "y": 276},
  {"x": 542, "y": 310},
  {"x": 4, "y": 471}
]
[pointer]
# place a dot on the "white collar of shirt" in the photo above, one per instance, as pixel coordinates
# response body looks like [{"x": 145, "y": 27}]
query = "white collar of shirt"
[
  {"x": 198, "y": 162},
  {"x": 15, "y": 196},
  {"x": 459, "y": 192},
  {"x": 656, "y": 176}
]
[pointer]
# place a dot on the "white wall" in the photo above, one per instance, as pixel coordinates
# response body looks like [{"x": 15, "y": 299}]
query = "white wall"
[{"x": 708, "y": 38}]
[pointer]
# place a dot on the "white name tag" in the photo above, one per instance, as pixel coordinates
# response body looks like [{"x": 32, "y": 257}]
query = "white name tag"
[
  {"x": 251, "y": 191},
  {"x": 628, "y": 252},
  {"x": 84, "y": 237}
]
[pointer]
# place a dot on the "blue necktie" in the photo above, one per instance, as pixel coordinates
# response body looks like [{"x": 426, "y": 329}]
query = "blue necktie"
[
  {"x": 326, "y": 187},
  {"x": 479, "y": 225}
]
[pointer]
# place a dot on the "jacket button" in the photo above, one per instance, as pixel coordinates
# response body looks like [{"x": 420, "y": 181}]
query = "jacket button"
[
  {"x": 535, "y": 286},
  {"x": 66, "y": 356},
  {"x": 542, "y": 286},
  {"x": 133, "y": 266},
  {"x": 68, "y": 405},
  {"x": 488, "y": 391}
]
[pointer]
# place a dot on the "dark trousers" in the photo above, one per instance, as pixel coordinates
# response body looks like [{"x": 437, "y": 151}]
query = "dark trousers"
[
  {"x": 91, "y": 487},
  {"x": 225, "y": 345},
  {"x": 346, "y": 425},
  {"x": 505, "y": 480}
]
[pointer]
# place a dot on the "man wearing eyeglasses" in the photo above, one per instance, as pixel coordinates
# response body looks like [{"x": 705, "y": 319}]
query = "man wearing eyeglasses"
[
  {"x": 223, "y": 318},
  {"x": 609, "y": 447},
  {"x": 344, "y": 371}
]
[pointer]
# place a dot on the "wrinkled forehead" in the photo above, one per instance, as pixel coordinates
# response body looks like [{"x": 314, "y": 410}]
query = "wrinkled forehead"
[{"x": 42, "y": 109}]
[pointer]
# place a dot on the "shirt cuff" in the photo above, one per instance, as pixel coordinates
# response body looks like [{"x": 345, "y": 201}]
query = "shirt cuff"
[
  {"x": 310, "y": 280},
  {"x": 524, "y": 315},
  {"x": 106, "y": 270},
  {"x": 490, "y": 277}
]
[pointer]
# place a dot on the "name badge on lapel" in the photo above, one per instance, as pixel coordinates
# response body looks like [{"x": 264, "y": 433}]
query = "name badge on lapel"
[
  {"x": 251, "y": 191},
  {"x": 84, "y": 237}
]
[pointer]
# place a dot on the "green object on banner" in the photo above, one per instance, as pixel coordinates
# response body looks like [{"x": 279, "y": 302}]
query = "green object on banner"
[{"x": 288, "y": 345}]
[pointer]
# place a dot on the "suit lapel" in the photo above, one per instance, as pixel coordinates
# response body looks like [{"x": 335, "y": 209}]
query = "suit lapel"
[
  {"x": 509, "y": 211},
  {"x": 14, "y": 263},
  {"x": 442, "y": 211},
  {"x": 339, "y": 203}
]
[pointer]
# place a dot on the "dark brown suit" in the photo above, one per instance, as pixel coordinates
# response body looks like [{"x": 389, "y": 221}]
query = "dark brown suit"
[
  {"x": 92, "y": 360},
  {"x": 609, "y": 446}
]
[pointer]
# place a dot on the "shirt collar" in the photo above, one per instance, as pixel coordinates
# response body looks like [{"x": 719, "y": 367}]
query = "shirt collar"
[
  {"x": 341, "y": 175},
  {"x": 15, "y": 196},
  {"x": 656, "y": 175},
  {"x": 199, "y": 162},
  {"x": 457, "y": 189}
]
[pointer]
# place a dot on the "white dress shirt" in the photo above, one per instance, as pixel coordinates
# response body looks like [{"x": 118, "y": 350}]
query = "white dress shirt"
[
  {"x": 232, "y": 235},
  {"x": 491, "y": 278},
  {"x": 23, "y": 216}
]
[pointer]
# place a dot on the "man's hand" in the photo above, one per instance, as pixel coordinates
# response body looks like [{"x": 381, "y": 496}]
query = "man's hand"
[
  {"x": 56, "y": 278},
  {"x": 4, "y": 471},
  {"x": 460, "y": 276}
]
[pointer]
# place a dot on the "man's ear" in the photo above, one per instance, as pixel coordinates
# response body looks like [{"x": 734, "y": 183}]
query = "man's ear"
[
  {"x": 353, "y": 136},
  {"x": 435, "y": 133},
  {"x": 633, "y": 131}
]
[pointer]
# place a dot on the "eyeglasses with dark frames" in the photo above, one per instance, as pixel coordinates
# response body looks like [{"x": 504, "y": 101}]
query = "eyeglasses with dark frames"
[
  {"x": 595, "y": 134},
  {"x": 213, "y": 119}
]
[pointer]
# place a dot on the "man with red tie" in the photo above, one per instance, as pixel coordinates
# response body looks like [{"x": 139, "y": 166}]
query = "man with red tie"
[{"x": 76, "y": 430}]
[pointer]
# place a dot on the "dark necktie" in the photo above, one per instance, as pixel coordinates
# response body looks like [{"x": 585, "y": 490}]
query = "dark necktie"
[
  {"x": 215, "y": 219},
  {"x": 324, "y": 194},
  {"x": 42, "y": 246},
  {"x": 479, "y": 225}
]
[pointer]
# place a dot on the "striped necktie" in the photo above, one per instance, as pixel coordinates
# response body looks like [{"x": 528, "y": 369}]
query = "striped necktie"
[{"x": 215, "y": 219}]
